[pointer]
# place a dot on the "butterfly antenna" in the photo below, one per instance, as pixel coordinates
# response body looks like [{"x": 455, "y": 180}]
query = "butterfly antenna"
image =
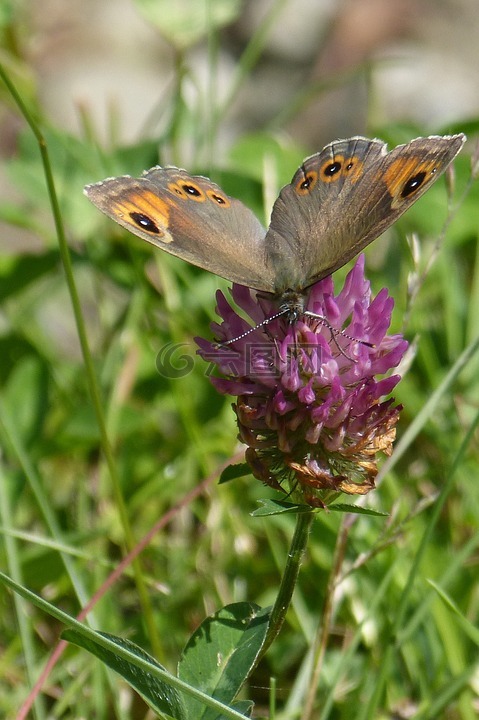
[
  {"x": 307, "y": 313},
  {"x": 335, "y": 333},
  {"x": 247, "y": 332}
]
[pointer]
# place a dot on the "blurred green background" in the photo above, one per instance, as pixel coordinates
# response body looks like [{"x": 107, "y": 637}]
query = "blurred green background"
[{"x": 240, "y": 91}]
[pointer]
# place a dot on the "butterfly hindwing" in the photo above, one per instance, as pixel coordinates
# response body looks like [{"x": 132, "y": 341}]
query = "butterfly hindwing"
[{"x": 344, "y": 197}]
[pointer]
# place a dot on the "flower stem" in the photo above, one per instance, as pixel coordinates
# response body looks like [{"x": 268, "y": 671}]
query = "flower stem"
[
  {"x": 290, "y": 576},
  {"x": 324, "y": 627}
]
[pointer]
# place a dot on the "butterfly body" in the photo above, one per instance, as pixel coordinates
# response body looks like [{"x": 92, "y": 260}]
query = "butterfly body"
[{"x": 338, "y": 201}]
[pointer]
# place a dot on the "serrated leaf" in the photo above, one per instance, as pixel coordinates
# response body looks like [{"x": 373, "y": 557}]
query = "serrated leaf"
[
  {"x": 356, "y": 509},
  {"x": 279, "y": 507},
  {"x": 220, "y": 655},
  {"x": 233, "y": 472},
  {"x": 162, "y": 698}
]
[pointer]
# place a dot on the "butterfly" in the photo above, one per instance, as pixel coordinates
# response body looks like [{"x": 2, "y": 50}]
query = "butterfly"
[{"x": 338, "y": 201}]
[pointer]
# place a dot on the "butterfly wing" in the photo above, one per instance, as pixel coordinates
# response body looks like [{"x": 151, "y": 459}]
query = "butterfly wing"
[
  {"x": 344, "y": 197},
  {"x": 192, "y": 218}
]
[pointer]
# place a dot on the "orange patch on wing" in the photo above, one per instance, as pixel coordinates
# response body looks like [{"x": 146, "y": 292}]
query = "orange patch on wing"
[
  {"x": 175, "y": 188},
  {"x": 402, "y": 170},
  {"x": 306, "y": 182},
  {"x": 192, "y": 191},
  {"x": 145, "y": 202},
  {"x": 353, "y": 168},
  {"x": 325, "y": 170},
  {"x": 219, "y": 198}
]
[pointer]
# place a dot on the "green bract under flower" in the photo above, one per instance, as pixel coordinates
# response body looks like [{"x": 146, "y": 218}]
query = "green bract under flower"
[{"x": 310, "y": 394}]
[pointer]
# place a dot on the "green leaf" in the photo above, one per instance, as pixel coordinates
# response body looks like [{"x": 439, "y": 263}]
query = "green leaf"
[
  {"x": 185, "y": 22},
  {"x": 279, "y": 507},
  {"x": 471, "y": 630},
  {"x": 17, "y": 273},
  {"x": 220, "y": 655},
  {"x": 345, "y": 508},
  {"x": 252, "y": 153},
  {"x": 232, "y": 472},
  {"x": 243, "y": 706},
  {"x": 25, "y": 396},
  {"x": 162, "y": 698}
]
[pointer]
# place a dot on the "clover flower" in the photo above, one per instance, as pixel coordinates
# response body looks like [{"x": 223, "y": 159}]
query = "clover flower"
[{"x": 310, "y": 394}]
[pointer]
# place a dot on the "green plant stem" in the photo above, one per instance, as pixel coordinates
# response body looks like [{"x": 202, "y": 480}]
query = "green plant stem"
[
  {"x": 251, "y": 55},
  {"x": 290, "y": 576},
  {"x": 324, "y": 626},
  {"x": 181, "y": 73},
  {"x": 87, "y": 358}
]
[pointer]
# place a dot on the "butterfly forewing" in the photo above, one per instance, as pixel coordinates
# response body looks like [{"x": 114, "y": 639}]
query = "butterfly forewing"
[{"x": 192, "y": 218}]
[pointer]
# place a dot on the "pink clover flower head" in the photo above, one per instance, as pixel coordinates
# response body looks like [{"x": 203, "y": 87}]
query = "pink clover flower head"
[{"x": 310, "y": 394}]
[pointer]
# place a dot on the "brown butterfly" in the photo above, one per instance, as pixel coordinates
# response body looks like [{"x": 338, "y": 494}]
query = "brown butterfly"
[{"x": 339, "y": 201}]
